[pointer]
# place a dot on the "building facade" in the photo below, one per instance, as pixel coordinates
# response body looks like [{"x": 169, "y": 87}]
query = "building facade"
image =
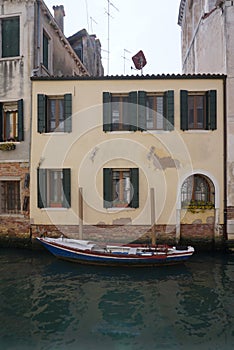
[
  {"x": 207, "y": 33},
  {"x": 32, "y": 43},
  {"x": 133, "y": 158},
  {"x": 88, "y": 49}
]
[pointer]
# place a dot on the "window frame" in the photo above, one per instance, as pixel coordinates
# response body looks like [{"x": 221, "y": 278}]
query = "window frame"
[
  {"x": 17, "y": 109},
  {"x": 16, "y": 46},
  {"x": 155, "y": 96},
  {"x": 43, "y": 120},
  {"x": 194, "y": 197},
  {"x": 7, "y": 200},
  {"x": 59, "y": 123},
  {"x": 45, "y": 188},
  {"x": 45, "y": 49},
  {"x": 195, "y": 96},
  {"x": 209, "y": 108},
  {"x": 131, "y": 190},
  {"x": 122, "y": 101}
]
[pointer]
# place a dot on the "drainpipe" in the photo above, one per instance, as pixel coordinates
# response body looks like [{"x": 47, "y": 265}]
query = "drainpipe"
[{"x": 225, "y": 156}]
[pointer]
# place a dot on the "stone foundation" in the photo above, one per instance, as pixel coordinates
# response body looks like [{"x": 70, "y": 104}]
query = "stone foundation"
[
  {"x": 198, "y": 235},
  {"x": 15, "y": 232}
]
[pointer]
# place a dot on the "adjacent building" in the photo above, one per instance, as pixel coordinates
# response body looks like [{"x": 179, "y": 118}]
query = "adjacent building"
[
  {"x": 88, "y": 49},
  {"x": 132, "y": 157},
  {"x": 32, "y": 43},
  {"x": 207, "y": 33}
]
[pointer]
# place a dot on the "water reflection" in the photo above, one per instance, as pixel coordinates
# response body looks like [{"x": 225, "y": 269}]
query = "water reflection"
[{"x": 51, "y": 304}]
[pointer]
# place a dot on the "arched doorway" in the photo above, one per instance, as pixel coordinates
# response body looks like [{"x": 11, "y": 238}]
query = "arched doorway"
[{"x": 198, "y": 216}]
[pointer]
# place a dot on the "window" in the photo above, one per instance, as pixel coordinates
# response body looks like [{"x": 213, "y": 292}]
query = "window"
[
  {"x": 119, "y": 111},
  {"x": 11, "y": 121},
  {"x": 45, "y": 50},
  {"x": 55, "y": 106},
  {"x": 54, "y": 188},
  {"x": 10, "y": 197},
  {"x": 154, "y": 112},
  {"x": 197, "y": 190},
  {"x": 54, "y": 113},
  {"x": 198, "y": 110},
  {"x": 138, "y": 111},
  {"x": 10, "y": 32},
  {"x": 121, "y": 188}
]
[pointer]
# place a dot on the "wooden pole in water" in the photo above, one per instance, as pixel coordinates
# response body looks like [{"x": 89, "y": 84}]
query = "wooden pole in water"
[
  {"x": 81, "y": 213},
  {"x": 152, "y": 206}
]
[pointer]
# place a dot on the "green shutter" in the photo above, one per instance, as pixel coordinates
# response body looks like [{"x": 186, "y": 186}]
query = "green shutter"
[
  {"x": 68, "y": 112},
  {"x": 107, "y": 187},
  {"x": 45, "y": 51},
  {"x": 41, "y": 188},
  {"x": 135, "y": 188},
  {"x": 20, "y": 120},
  {"x": 211, "y": 110},
  {"x": 10, "y": 37},
  {"x": 41, "y": 113},
  {"x": 106, "y": 111},
  {"x": 142, "y": 110},
  {"x": 184, "y": 109},
  {"x": 67, "y": 188},
  {"x": 169, "y": 110},
  {"x": 1, "y": 122},
  {"x": 132, "y": 111}
]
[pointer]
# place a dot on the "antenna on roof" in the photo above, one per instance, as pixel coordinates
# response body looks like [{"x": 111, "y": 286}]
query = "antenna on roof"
[
  {"x": 125, "y": 58},
  {"x": 92, "y": 20},
  {"x": 87, "y": 13},
  {"x": 109, "y": 4}
]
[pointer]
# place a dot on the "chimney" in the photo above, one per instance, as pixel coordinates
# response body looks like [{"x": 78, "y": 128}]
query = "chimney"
[{"x": 58, "y": 15}]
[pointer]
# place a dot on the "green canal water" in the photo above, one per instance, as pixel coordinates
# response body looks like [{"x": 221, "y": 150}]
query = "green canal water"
[{"x": 50, "y": 304}]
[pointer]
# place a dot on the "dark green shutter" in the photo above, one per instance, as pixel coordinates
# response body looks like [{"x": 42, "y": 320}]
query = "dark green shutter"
[
  {"x": 132, "y": 111},
  {"x": 184, "y": 109},
  {"x": 45, "y": 51},
  {"x": 142, "y": 110},
  {"x": 106, "y": 111},
  {"x": 68, "y": 112},
  {"x": 67, "y": 188},
  {"x": 135, "y": 188},
  {"x": 211, "y": 110},
  {"x": 20, "y": 120},
  {"x": 41, "y": 188},
  {"x": 107, "y": 187},
  {"x": 10, "y": 37},
  {"x": 169, "y": 110},
  {"x": 41, "y": 113},
  {"x": 1, "y": 122}
]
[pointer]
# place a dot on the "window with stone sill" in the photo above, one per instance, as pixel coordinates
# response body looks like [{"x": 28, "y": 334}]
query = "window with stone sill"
[
  {"x": 121, "y": 188},
  {"x": 54, "y": 188},
  {"x": 54, "y": 113},
  {"x": 11, "y": 121},
  {"x": 10, "y": 37}
]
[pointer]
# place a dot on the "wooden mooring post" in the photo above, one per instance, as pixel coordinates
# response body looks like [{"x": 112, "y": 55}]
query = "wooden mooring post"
[
  {"x": 81, "y": 213},
  {"x": 152, "y": 206}
]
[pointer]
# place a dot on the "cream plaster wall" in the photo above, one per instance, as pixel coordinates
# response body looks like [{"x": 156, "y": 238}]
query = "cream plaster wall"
[{"x": 87, "y": 150}]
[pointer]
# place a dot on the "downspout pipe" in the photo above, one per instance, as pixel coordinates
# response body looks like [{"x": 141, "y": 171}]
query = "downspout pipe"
[{"x": 225, "y": 237}]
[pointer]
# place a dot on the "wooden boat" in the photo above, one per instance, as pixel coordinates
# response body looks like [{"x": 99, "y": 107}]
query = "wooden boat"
[{"x": 87, "y": 252}]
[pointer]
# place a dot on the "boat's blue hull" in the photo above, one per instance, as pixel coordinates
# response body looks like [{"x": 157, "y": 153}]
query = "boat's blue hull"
[{"x": 96, "y": 258}]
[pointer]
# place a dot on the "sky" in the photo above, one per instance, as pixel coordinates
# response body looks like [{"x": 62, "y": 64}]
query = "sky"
[{"x": 134, "y": 25}]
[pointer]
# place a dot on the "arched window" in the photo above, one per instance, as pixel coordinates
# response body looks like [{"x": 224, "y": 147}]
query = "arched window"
[{"x": 197, "y": 190}]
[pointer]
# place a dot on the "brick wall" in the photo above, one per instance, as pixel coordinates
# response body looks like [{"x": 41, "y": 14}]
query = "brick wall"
[
  {"x": 19, "y": 170},
  {"x": 195, "y": 234}
]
